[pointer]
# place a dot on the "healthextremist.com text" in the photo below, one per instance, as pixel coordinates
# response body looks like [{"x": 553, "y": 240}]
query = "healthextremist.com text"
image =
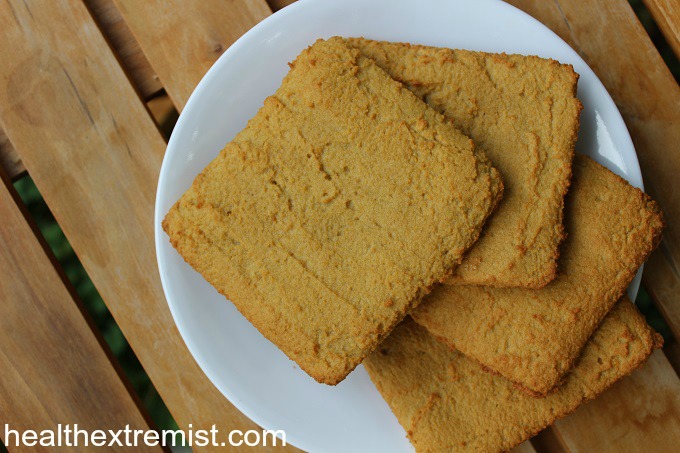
[{"x": 68, "y": 435}]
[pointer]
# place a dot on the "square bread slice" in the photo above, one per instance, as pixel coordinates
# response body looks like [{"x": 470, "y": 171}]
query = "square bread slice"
[
  {"x": 523, "y": 112},
  {"x": 447, "y": 402},
  {"x": 533, "y": 337},
  {"x": 331, "y": 214}
]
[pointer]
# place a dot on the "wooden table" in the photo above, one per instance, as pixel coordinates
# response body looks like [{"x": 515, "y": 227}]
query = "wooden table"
[{"x": 75, "y": 81}]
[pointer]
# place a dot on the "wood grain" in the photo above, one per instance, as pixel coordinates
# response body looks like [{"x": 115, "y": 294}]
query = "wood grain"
[
  {"x": 181, "y": 50},
  {"x": 131, "y": 58},
  {"x": 666, "y": 14},
  {"x": 95, "y": 154},
  {"x": 649, "y": 100},
  {"x": 54, "y": 368},
  {"x": 639, "y": 413}
]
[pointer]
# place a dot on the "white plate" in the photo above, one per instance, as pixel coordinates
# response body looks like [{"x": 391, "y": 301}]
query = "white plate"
[{"x": 249, "y": 370}]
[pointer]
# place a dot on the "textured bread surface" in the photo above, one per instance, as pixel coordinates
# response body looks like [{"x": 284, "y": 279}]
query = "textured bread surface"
[
  {"x": 523, "y": 112},
  {"x": 446, "y": 402},
  {"x": 330, "y": 215},
  {"x": 533, "y": 337}
]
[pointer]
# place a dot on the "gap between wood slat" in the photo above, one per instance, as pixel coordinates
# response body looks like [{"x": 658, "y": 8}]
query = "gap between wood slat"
[
  {"x": 276, "y": 5},
  {"x": 164, "y": 113},
  {"x": 9, "y": 159},
  {"x": 524, "y": 447},
  {"x": 125, "y": 47},
  {"x": 548, "y": 441}
]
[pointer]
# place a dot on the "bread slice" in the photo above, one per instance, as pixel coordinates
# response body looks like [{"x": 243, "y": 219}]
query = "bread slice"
[
  {"x": 533, "y": 337},
  {"x": 330, "y": 215},
  {"x": 523, "y": 112},
  {"x": 447, "y": 402}
]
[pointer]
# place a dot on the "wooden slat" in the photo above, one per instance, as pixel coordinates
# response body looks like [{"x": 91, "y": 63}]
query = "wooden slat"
[
  {"x": 649, "y": 99},
  {"x": 9, "y": 159},
  {"x": 666, "y": 13},
  {"x": 95, "y": 154},
  {"x": 53, "y": 368},
  {"x": 125, "y": 46},
  {"x": 639, "y": 413},
  {"x": 182, "y": 50}
]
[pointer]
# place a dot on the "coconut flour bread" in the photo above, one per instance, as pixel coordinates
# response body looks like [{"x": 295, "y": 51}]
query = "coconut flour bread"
[
  {"x": 523, "y": 112},
  {"x": 533, "y": 337},
  {"x": 447, "y": 402},
  {"x": 330, "y": 215},
  {"x": 357, "y": 187}
]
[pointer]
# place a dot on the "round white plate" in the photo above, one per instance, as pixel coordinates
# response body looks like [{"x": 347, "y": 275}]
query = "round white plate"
[{"x": 249, "y": 370}]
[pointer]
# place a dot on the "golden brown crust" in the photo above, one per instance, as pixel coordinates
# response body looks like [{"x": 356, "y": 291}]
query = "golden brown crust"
[
  {"x": 523, "y": 112},
  {"x": 338, "y": 206},
  {"x": 533, "y": 337},
  {"x": 446, "y": 402}
]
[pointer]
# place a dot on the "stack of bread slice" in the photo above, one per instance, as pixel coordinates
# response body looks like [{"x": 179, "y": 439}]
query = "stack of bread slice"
[{"x": 385, "y": 179}]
